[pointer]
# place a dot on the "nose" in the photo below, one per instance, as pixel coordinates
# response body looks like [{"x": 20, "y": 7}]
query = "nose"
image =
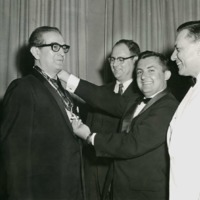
[
  {"x": 115, "y": 63},
  {"x": 174, "y": 55},
  {"x": 61, "y": 51},
  {"x": 144, "y": 75}
]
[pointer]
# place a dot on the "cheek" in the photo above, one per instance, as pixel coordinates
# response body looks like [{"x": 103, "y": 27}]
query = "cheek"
[
  {"x": 159, "y": 81},
  {"x": 126, "y": 68},
  {"x": 181, "y": 56},
  {"x": 187, "y": 56},
  {"x": 139, "y": 82},
  {"x": 54, "y": 57}
]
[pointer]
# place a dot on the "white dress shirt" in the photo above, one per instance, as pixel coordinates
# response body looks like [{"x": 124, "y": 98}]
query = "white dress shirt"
[
  {"x": 73, "y": 82},
  {"x": 184, "y": 147},
  {"x": 140, "y": 106},
  {"x": 125, "y": 85}
]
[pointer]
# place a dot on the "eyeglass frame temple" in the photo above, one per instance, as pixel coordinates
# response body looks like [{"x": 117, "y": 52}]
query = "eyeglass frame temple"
[
  {"x": 130, "y": 57},
  {"x": 121, "y": 57},
  {"x": 51, "y": 45}
]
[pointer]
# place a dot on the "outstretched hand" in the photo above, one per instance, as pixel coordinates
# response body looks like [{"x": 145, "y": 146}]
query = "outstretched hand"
[
  {"x": 63, "y": 76},
  {"x": 80, "y": 129}
]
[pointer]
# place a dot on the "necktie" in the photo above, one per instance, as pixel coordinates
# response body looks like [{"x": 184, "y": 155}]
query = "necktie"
[
  {"x": 66, "y": 99},
  {"x": 64, "y": 94},
  {"x": 120, "y": 89},
  {"x": 134, "y": 112}
]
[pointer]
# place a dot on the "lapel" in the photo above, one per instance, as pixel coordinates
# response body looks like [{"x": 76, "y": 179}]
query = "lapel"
[
  {"x": 153, "y": 100},
  {"x": 54, "y": 94},
  {"x": 128, "y": 117}
]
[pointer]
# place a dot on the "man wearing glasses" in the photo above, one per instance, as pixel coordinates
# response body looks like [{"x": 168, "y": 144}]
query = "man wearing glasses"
[
  {"x": 122, "y": 63},
  {"x": 40, "y": 154}
]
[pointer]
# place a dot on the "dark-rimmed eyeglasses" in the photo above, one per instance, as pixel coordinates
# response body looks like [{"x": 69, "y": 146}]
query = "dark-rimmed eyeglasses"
[
  {"x": 56, "y": 47},
  {"x": 120, "y": 60}
]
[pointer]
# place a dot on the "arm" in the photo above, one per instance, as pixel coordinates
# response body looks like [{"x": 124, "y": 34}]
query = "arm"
[
  {"x": 102, "y": 98},
  {"x": 97, "y": 96},
  {"x": 16, "y": 130},
  {"x": 17, "y": 113},
  {"x": 80, "y": 129},
  {"x": 146, "y": 134},
  {"x": 83, "y": 131}
]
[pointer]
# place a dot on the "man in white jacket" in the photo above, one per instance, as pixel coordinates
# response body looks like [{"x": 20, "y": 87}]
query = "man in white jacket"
[{"x": 184, "y": 129}]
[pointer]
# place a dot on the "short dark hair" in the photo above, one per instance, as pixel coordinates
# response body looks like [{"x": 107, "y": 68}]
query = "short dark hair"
[
  {"x": 132, "y": 46},
  {"x": 36, "y": 37},
  {"x": 193, "y": 28},
  {"x": 164, "y": 61}
]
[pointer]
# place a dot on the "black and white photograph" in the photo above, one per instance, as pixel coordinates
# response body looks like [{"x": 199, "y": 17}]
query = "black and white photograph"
[{"x": 99, "y": 100}]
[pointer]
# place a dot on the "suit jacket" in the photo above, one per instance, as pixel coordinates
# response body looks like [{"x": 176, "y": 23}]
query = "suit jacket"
[
  {"x": 96, "y": 168},
  {"x": 141, "y": 165},
  {"x": 101, "y": 120},
  {"x": 41, "y": 155},
  {"x": 184, "y": 148}
]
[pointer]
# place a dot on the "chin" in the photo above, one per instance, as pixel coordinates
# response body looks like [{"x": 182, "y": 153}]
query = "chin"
[
  {"x": 180, "y": 72},
  {"x": 59, "y": 67},
  {"x": 118, "y": 78}
]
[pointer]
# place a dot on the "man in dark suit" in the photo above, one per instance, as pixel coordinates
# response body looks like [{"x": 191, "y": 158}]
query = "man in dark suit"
[
  {"x": 125, "y": 52},
  {"x": 41, "y": 156},
  {"x": 141, "y": 166}
]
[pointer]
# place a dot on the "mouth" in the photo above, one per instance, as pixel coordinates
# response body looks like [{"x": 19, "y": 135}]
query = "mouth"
[
  {"x": 60, "y": 60},
  {"x": 117, "y": 71},
  {"x": 146, "y": 83},
  {"x": 178, "y": 62}
]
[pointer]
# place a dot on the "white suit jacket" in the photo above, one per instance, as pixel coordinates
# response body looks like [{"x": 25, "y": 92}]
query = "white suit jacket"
[{"x": 184, "y": 147}]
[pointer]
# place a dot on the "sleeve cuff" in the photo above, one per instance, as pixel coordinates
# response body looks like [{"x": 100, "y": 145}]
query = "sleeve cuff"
[
  {"x": 72, "y": 83},
  {"x": 92, "y": 138}
]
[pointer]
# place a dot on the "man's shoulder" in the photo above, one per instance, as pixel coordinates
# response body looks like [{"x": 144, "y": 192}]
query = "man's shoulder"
[
  {"x": 168, "y": 101},
  {"x": 171, "y": 97},
  {"x": 110, "y": 85},
  {"x": 21, "y": 85},
  {"x": 23, "y": 81}
]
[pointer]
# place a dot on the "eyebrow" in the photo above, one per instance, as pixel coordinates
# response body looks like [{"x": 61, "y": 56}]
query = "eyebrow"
[{"x": 149, "y": 67}]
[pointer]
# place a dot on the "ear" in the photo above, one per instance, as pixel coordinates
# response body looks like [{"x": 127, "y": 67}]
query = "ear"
[
  {"x": 198, "y": 48},
  {"x": 167, "y": 75},
  {"x": 35, "y": 52},
  {"x": 135, "y": 59}
]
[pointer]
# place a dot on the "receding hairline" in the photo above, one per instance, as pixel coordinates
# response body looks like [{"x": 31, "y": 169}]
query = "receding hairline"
[
  {"x": 36, "y": 36},
  {"x": 192, "y": 28},
  {"x": 162, "y": 60}
]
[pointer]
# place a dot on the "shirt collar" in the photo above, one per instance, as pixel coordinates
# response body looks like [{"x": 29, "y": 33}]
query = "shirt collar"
[
  {"x": 156, "y": 93},
  {"x": 125, "y": 85},
  {"x": 198, "y": 77}
]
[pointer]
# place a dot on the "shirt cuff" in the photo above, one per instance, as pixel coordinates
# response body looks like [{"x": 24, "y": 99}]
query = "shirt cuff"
[
  {"x": 72, "y": 83},
  {"x": 92, "y": 138}
]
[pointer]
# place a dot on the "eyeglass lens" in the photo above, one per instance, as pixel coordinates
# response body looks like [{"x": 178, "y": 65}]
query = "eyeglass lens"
[
  {"x": 119, "y": 59},
  {"x": 56, "y": 47}
]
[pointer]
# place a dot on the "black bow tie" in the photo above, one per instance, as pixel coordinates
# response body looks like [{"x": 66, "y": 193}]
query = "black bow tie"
[{"x": 146, "y": 100}]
